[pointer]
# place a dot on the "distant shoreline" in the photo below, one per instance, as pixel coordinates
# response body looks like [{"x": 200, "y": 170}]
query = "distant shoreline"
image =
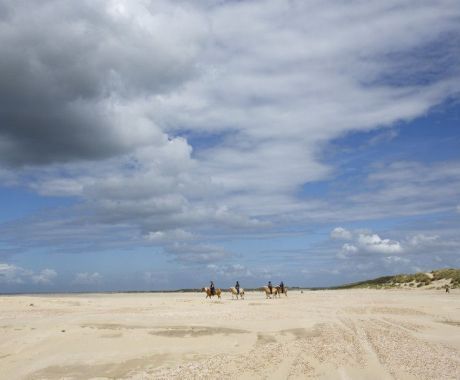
[
  {"x": 438, "y": 278},
  {"x": 144, "y": 291}
]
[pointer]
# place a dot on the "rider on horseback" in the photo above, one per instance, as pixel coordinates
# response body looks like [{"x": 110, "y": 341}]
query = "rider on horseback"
[
  {"x": 212, "y": 288},
  {"x": 270, "y": 287},
  {"x": 237, "y": 287},
  {"x": 282, "y": 286}
]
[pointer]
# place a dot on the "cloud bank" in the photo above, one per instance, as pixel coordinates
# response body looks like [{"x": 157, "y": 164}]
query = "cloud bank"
[
  {"x": 12, "y": 274},
  {"x": 181, "y": 122}
]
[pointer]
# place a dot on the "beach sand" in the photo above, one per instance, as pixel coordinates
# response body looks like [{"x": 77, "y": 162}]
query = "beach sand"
[{"x": 346, "y": 334}]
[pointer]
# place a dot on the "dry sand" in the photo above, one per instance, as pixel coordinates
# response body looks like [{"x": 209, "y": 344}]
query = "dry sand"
[{"x": 348, "y": 334}]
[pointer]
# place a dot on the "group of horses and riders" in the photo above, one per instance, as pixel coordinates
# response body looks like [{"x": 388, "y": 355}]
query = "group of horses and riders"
[
  {"x": 275, "y": 290},
  {"x": 238, "y": 291}
]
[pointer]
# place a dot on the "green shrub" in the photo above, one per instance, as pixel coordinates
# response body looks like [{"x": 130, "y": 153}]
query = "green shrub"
[
  {"x": 447, "y": 273},
  {"x": 420, "y": 279}
]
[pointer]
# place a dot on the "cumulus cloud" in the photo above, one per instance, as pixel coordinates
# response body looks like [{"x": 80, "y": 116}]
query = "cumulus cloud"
[
  {"x": 84, "y": 91},
  {"x": 87, "y": 278},
  {"x": 418, "y": 240},
  {"x": 169, "y": 119},
  {"x": 374, "y": 243},
  {"x": 12, "y": 274},
  {"x": 341, "y": 233},
  {"x": 347, "y": 250},
  {"x": 173, "y": 235},
  {"x": 365, "y": 242},
  {"x": 46, "y": 276}
]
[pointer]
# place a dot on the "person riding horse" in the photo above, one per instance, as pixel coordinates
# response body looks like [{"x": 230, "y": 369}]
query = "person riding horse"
[
  {"x": 212, "y": 288},
  {"x": 237, "y": 287},
  {"x": 282, "y": 287},
  {"x": 270, "y": 287}
]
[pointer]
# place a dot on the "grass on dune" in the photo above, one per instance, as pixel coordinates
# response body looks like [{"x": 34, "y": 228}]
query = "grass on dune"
[{"x": 413, "y": 280}]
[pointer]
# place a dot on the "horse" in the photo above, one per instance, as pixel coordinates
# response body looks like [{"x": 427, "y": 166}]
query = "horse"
[
  {"x": 235, "y": 293},
  {"x": 267, "y": 292},
  {"x": 217, "y": 293},
  {"x": 284, "y": 291}
]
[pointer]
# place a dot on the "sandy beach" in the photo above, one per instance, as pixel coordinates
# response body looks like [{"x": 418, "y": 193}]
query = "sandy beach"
[{"x": 346, "y": 334}]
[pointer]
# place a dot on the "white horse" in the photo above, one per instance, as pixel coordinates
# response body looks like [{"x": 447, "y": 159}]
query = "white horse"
[{"x": 235, "y": 293}]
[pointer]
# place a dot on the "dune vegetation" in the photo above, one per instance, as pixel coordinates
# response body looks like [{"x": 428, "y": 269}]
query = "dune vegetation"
[{"x": 435, "y": 279}]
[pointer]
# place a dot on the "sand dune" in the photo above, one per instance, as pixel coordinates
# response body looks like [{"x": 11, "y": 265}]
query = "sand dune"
[{"x": 347, "y": 334}]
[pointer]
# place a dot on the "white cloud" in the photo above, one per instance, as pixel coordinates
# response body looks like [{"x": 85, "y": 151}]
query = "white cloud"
[
  {"x": 188, "y": 123},
  {"x": 87, "y": 278},
  {"x": 46, "y": 276},
  {"x": 12, "y": 274},
  {"x": 197, "y": 252},
  {"x": 283, "y": 115},
  {"x": 347, "y": 251},
  {"x": 341, "y": 233},
  {"x": 374, "y": 243},
  {"x": 395, "y": 260},
  {"x": 172, "y": 235},
  {"x": 409, "y": 188},
  {"x": 384, "y": 136},
  {"x": 364, "y": 242},
  {"x": 349, "y": 248},
  {"x": 230, "y": 270},
  {"x": 422, "y": 240}
]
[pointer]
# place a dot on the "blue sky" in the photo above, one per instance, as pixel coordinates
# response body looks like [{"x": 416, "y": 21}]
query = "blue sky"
[{"x": 161, "y": 145}]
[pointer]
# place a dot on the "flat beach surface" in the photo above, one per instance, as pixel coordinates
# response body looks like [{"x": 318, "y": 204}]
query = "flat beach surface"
[{"x": 346, "y": 334}]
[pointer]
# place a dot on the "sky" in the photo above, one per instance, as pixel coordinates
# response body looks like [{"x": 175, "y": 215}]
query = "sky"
[{"x": 149, "y": 145}]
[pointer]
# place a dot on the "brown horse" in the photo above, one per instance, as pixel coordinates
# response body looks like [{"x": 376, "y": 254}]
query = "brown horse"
[
  {"x": 235, "y": 293},
  {"x": 208, "y": 292},
  {"x": 267, "y": 292},
  {"x": 284, "y": 290}
]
